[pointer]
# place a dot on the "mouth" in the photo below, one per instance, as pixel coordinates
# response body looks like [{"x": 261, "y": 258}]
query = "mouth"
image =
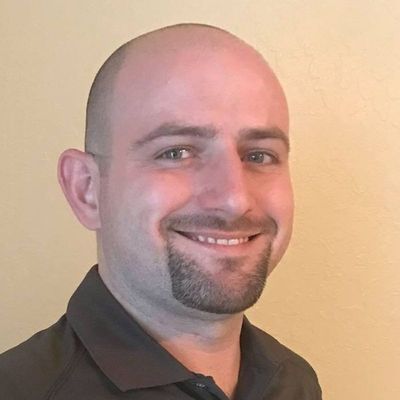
[{"x": 219, "y": 240}]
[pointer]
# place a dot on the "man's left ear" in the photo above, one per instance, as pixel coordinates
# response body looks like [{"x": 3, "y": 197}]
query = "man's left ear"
[{"x": 78, "y": 175}]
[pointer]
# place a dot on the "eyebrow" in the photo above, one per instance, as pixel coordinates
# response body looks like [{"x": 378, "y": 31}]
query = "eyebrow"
[
  {"x": 173, "y": 129},
  {"x": 265, "y": 133},
  {"x": 209, "y": 132}
]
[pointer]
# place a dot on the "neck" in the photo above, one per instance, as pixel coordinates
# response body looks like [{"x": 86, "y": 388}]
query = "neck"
[{"x": 210, "y": 347}]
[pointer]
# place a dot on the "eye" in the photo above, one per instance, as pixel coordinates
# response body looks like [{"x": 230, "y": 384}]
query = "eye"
[
  {"x": 176, "y": 153},
  {"x": 261, "y": 157}
]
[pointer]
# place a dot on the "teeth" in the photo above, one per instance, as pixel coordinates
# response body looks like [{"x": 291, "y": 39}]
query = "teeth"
[{"x": 223, "y": 242}]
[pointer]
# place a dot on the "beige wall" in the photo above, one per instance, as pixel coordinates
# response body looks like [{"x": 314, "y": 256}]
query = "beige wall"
[{"x": 336, "y": 297}]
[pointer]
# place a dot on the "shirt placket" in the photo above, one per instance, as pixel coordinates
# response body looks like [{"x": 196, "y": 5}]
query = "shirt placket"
[{"x": 203, "y": 388}]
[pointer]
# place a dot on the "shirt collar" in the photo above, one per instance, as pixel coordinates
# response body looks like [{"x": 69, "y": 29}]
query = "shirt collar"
[
  {"x": 261, "y": 356},
  {"x": 259, "y": 350},
  {"x": 116, "y": 342}
]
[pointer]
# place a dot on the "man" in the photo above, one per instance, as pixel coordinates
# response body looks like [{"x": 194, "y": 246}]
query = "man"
[{"x": 185, "y": 180}]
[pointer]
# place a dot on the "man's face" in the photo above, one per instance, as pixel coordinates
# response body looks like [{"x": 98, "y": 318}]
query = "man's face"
[{"x": 196, "y": 206}]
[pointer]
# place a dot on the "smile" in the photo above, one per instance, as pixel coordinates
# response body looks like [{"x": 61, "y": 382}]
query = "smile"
[{"x": 226, "y": 241}]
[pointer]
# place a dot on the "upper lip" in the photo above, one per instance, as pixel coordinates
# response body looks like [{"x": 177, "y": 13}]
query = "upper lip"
[{"x": 220, "y": 235}]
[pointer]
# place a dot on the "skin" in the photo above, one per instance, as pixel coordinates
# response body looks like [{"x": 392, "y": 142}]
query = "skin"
[{"x": 219, "y": 169}]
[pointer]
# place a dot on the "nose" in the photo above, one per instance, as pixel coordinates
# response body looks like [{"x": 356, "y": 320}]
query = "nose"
[{"x": 225, "y": 187}]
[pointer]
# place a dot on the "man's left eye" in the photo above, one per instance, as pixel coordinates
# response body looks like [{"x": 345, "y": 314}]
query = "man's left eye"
[
  {"x": 261, "y": 157},
  {"x": 178, "y": 153}
]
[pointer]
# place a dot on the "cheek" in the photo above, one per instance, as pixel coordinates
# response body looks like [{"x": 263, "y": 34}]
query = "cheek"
[
  {"x": 166, "y": 192},
  {"x": 280, "y": 206},
  {"x": 276, "y": 199},
  {"x": 283, "y": 202},
  {"x": 151, "y": 197}
]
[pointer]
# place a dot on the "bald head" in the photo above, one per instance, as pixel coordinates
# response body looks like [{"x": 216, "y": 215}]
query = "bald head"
[{"x": 151, "y": 59}]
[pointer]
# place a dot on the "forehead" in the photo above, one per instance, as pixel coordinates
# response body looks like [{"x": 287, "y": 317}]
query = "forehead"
[{"x": 230, "y": 89}]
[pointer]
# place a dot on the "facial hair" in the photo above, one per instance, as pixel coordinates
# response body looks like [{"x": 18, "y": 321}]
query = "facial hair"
[
  {"x": 197, "y": 288},
  {"x": 232, "y": 289}
]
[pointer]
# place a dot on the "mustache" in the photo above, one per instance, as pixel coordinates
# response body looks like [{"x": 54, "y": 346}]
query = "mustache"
[{"x": 197, "y": 222}]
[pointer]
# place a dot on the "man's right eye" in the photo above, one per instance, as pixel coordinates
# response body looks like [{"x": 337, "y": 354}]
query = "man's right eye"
[{"x": 178, "y": 153}]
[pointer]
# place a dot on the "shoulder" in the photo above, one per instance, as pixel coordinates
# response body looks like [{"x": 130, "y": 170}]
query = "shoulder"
[
  {"x": 277, "y": 352},
  {"x": 294, "y": 377},
  {"x": 32, "y": 369}
]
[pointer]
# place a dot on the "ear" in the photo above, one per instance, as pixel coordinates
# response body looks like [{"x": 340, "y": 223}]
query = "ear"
[{"x": 79, "y": 178}]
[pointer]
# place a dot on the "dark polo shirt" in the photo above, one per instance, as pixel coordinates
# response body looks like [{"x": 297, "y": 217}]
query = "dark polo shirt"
[{"x": 97, "y": 351}]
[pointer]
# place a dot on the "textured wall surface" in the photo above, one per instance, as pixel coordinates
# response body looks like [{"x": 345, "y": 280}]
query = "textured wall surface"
[{"x": 335, "y": 298}]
